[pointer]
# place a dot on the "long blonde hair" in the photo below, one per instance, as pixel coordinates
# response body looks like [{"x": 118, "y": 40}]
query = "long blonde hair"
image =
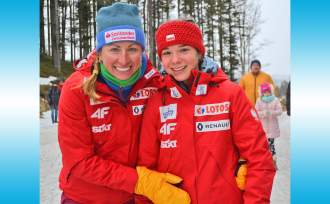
[{"x": 89, "y": 86}]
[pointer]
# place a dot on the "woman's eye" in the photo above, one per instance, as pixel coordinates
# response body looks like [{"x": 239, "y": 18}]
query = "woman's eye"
[
  {"x": 166, "y": 53},
  {"x": 114, "y": 49},
  {"x": 132, "y": 49},
  {"x": 184, "y": 50}
]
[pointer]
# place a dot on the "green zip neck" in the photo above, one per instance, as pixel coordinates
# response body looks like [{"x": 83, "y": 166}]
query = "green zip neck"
[{"x": 121, "y": 83}]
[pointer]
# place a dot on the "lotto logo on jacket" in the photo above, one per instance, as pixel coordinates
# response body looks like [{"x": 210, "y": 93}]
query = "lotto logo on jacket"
[
  {"x": 143, "y": 93},
  {"x": 212, "y": 109}
]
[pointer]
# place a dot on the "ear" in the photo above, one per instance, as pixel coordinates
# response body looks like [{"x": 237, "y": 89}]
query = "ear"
[
  {"x": 199, "y": 56},
  {"x": 99, "y": 57}
]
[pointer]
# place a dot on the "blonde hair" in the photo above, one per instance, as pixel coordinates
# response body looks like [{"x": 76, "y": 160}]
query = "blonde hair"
[{"x": 89, "y": 85}]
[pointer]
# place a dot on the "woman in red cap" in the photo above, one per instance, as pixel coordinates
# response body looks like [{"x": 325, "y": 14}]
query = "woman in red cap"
[{"x": 199, "y": 124}]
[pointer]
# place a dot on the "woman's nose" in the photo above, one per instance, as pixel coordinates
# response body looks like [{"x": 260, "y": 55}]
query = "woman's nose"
[{"x": 123, "y": 59}]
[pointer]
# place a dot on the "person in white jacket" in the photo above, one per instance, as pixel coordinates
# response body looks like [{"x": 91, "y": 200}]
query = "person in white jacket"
[{"x": 269, "y": 108}]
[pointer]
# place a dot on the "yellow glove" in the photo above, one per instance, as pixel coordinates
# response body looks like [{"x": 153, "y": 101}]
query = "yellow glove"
[
  {"x": 157, "y": 187},
  {"x": 241, "y": 174}
]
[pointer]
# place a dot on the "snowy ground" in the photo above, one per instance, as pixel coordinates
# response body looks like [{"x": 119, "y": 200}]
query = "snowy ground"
[{"x": 50, "y": 162}]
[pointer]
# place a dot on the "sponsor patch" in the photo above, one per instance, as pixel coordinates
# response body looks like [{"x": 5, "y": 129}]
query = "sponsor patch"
[
  {"x": 80, "y": 63},
  {"x": 167, "y": 128},
  {"x": 170, "y": 37},
  {"x": 212, "y": 109},
  {"x": 168, "y": 144},
  {"x": 209, "y": 126},
  {"x": 201, "y": 89},
  {"x": 120, "y": 35},
  {"x": 143, "y": 93},
  {"x": 149, "y": 74},
  {"x": 101, "y": 128},
  {"x": 175, "y": 93},
  {"x": 137, "y": 110},
  {"x": 167, "y": 112},
  {"x": 100, "y": 112}
]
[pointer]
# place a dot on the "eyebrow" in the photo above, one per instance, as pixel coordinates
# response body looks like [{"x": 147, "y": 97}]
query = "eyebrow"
[{"x": 130, "y": 45}]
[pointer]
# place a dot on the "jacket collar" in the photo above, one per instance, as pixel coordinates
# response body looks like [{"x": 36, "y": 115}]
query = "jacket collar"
[{"x": 200, "y": 86}]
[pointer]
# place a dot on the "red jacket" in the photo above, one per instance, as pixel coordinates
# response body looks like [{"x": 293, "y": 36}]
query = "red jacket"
[
  {"x": 199, "y": 137},
  {"x": 99, "y": 141}
]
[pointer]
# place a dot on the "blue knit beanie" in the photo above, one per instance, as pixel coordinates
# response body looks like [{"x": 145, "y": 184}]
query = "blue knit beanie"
[{"x": 118, "y": 22}]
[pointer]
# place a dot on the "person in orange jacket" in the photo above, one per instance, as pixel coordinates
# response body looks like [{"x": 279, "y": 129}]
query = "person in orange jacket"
[
  {"x": 199, "y": 124},
  {"x": 100, "y": 113},
  {"x": 251, "y": 81}
]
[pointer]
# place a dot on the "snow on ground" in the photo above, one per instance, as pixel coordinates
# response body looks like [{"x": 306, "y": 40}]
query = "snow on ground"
[
  {"x": 45, "y": 81},
  {"x": 50, "y": 162}
]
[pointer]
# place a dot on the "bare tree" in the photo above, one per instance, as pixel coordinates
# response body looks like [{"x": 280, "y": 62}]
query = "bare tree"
[
  {"x": 249, "y": 29},
  {"x": 42, "y": 28},
  {"x": 48, "y": 28},
  {"x": 55, "y": 34}
]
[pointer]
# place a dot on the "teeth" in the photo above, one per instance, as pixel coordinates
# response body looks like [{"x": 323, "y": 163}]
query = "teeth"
[
  {"x": 123, "y": 69},
  {"x": 178, "y": 68}
]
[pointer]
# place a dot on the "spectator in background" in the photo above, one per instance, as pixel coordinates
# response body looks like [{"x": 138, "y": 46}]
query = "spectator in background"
[
  {"x": 53, "y": 98},
  {"x": 252, "y": 80},
  {"x": 288, "y": 110},
  {"x": 269, "y": 108}
]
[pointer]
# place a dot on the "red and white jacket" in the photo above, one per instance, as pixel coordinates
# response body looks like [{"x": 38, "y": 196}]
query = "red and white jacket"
[
  {"x": 200, "y": 136},
  {"x": 99, "y": 140}
]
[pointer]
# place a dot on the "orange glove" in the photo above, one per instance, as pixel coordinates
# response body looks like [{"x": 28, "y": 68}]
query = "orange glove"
[
  {"x": 241, "y": 174},
  {"x": 157, "y": 187}
]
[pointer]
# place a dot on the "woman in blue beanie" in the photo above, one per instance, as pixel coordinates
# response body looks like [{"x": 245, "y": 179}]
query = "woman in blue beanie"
[{"x": 100, "y": 112}]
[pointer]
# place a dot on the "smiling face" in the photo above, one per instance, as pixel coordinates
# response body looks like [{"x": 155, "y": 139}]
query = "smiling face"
[
  {"x": 121, "y": 59},
  {"x": 179, "y": 60}
]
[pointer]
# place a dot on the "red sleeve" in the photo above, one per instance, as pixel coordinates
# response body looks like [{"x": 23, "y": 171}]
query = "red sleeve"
[
  {"x": 149, "y": 141},
  {"x": 77, "y": 147},
  {"x": 251, "y": 141}
]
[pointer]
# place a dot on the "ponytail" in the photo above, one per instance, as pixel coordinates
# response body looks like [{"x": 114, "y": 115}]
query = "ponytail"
[{"x": 89, "y": 85}]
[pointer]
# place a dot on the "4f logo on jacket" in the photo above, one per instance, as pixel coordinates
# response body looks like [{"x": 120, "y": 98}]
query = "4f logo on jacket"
[
  {"x": 167, "y": 128},
  {"x": 100, "y": 112}
]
